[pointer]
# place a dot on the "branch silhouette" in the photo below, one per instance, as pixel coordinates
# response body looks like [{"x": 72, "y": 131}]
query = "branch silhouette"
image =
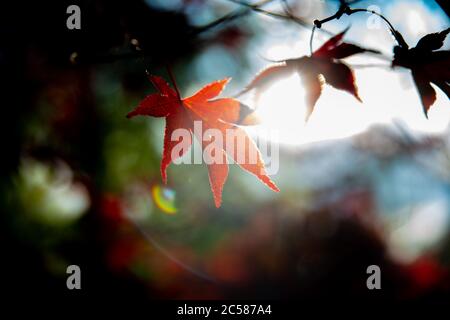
[
  {"x": 288, "y": 16},
  {"x": 345, "y": 9}
]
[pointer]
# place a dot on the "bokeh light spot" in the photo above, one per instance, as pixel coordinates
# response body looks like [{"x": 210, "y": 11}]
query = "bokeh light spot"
[{"x": 164, "y": 199}]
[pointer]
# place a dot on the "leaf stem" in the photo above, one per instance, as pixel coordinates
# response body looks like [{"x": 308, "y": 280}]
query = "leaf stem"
[
  {"x": 373, "y": 65},
  {"x": 311, "y": 40},
  {"x": 391, "y": 27},
  {"x": 172, "y": 79},
  {"x": 286, "y": 16},
  {"x": 232, "y": 16},
  {"x": 345, "y": 9}
]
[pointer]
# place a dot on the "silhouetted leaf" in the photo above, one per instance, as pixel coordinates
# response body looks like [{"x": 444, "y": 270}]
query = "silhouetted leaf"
[
  {"x": 427, "y": 66},
  {"x": 324, "y": 61},
  {"x": 432, "y": 41},
  {"x": 268, "y": 76}
]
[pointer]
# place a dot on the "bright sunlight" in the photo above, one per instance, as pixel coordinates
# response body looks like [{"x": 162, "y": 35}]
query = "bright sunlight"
[{"x": 387, "y": 94}]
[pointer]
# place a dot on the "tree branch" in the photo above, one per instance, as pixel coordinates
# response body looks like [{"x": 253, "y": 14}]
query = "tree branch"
[
  {"x": 232, "y": 16},
  {"x": 345, "y": 9},
  {"x": 286, "y": 16}
]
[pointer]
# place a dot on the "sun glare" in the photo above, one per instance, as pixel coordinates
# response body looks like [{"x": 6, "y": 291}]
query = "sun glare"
[
  {"x": 387, "y": 95},
  {"x": 337, "y": 114}
]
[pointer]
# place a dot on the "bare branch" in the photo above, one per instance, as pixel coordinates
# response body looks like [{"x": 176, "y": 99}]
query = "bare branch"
[
  {"x": 284, "y": 16},
  {"x": 232, "y": 16}
]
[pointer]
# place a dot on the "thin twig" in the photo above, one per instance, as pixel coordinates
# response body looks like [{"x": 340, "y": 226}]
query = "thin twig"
[
  {"x": 289, "y": 13},
  {"x": 232, "y": 16},
  {"x": 352, "y": 11},
  {"x": 345, "y": 9},
  {"x": 290, "y": 17},
  {"x": 287, "y": 17},
  {"x": 372, "y": 65},
  {"x": 311, "y": 40}
]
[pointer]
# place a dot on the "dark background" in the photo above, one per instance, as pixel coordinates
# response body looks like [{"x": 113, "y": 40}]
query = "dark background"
[{"x": 53, "y": 112}]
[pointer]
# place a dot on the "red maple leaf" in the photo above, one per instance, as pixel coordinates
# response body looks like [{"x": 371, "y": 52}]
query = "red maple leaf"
[
  {"x": 214, "y": 113},
  {"x": 427, "y": 65},
  {"x": 323, "y": 66}
]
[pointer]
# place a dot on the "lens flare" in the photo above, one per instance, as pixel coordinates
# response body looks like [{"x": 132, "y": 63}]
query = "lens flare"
[{"x": 164, "y": 199}]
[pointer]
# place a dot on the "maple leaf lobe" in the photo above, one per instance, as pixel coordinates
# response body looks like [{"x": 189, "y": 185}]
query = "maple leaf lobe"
[{"x": 214, "y": 113}]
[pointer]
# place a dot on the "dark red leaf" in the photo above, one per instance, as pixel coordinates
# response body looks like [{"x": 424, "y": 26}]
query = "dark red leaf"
[
  {"x": 174, "y": 121},
  {"x": 325, "y": 62},
  {"x": 340, "y": 76},
  {"x": 329, "y": 45},
  {"x": 345, "y": 50},
  {"x": 426, "y": 91},
  {"x": 162, "y": 86},
  {"x": 432, "y": 41},
  {"x": 155, "y": 105},
  {"x": 267, "y": 77},
  {"x": 313, "y": 88},
  {"x": 427, "y": 66}
]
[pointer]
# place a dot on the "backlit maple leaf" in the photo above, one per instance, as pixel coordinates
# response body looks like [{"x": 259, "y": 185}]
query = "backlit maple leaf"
[
  {"x": 427, "y": 66},
  {"x": 214, "y": 113},
  {"x": 323, "y": 66}
]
